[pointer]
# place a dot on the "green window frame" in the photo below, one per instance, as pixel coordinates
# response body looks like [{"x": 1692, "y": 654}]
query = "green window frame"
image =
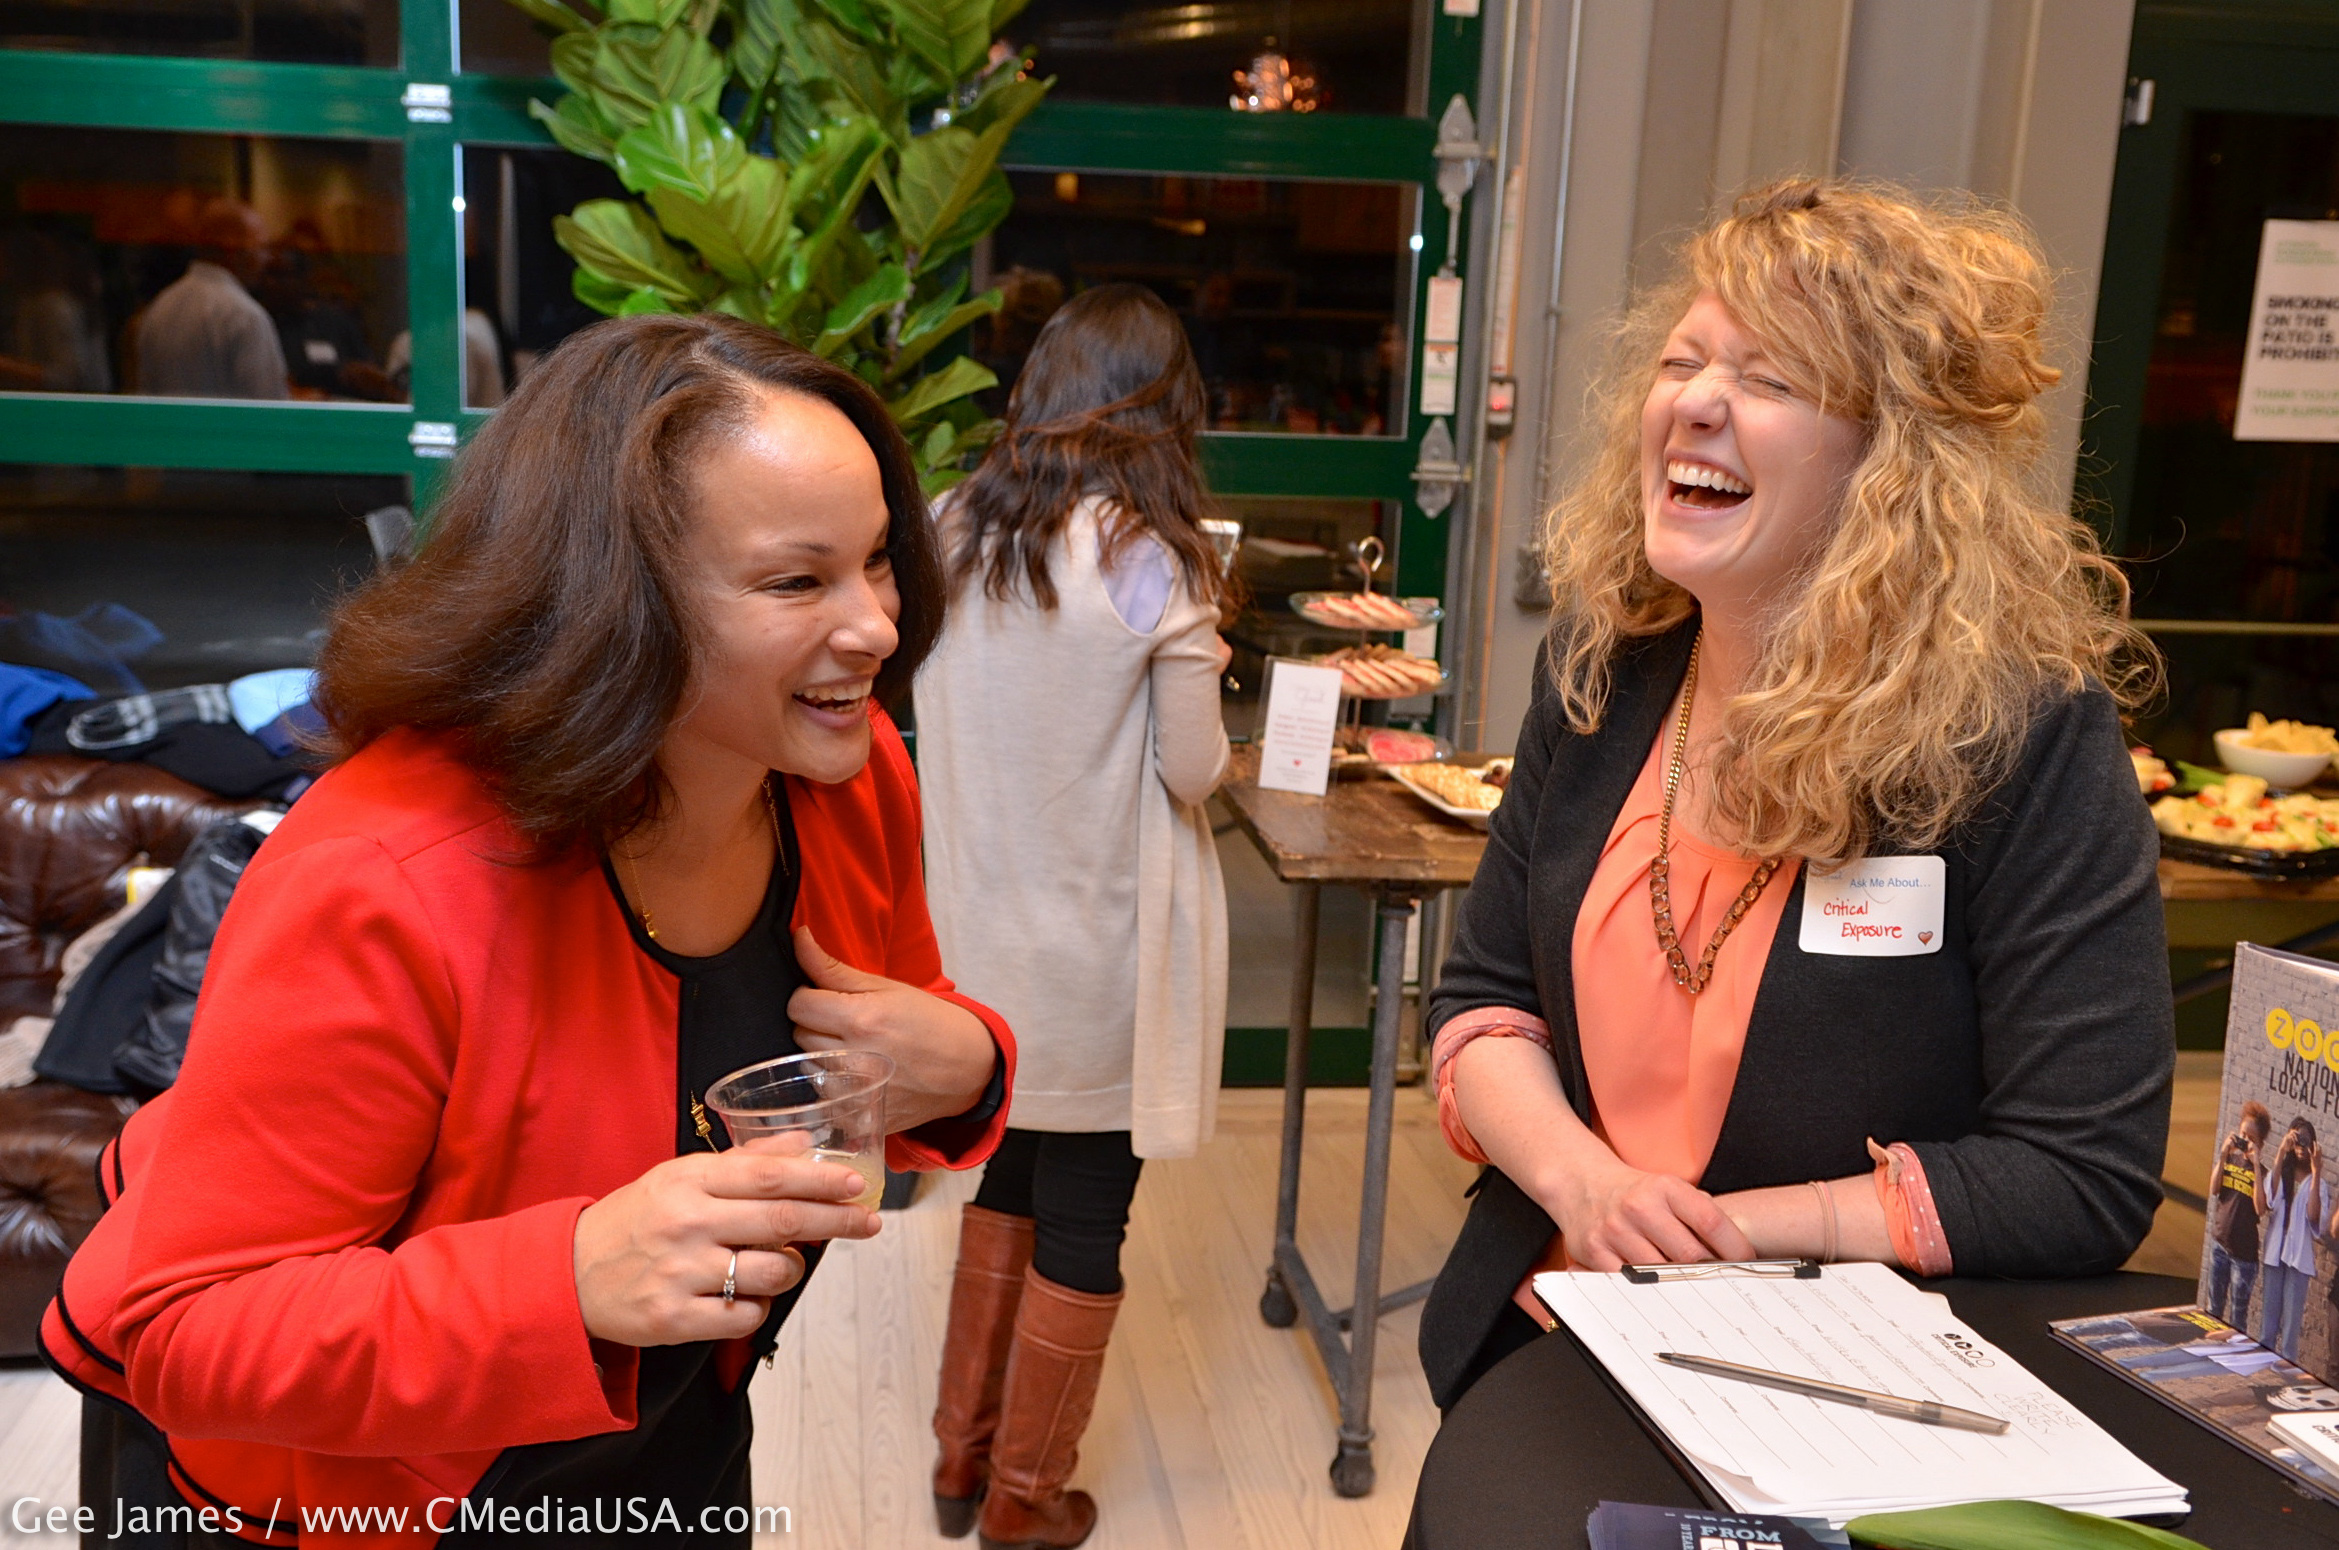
[{"x": 455, "y": 109}]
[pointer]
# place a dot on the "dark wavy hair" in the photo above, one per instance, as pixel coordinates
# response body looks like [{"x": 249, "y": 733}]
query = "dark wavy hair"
[
  {"x": 545, "y": 621},
  {"x": 1108, "y": 404}
]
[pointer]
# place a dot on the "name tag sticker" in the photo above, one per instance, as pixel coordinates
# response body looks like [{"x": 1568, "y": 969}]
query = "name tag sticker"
[{"x": 1884, "y": 907}]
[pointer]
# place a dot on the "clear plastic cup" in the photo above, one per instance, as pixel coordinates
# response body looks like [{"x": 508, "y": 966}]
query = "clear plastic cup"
[{"x": 835, "y": 1097}]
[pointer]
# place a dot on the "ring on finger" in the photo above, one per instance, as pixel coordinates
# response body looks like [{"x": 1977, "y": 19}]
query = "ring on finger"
[{"x": 731, "y": 1280}]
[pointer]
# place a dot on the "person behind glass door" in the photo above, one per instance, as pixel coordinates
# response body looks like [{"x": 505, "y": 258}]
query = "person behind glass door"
[
  {"x": 205, "y": 336},
  {"x": 1068, "y": 734},
  {"x": 1824, "y": 626},
  {"x": 2237, "y": 1194},
  {"x": 2293, "y": 1211}
]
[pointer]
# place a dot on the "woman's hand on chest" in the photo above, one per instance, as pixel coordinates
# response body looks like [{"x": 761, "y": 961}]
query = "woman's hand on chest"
[{"x": 942, "y": 1054}]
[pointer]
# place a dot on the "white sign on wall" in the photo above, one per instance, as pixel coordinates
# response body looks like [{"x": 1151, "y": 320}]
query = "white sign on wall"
[{"x": 2290, "y": 377}]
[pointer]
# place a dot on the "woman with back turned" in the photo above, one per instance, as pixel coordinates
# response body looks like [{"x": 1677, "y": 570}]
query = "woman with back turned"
[{"x": 1068, "y": 732}]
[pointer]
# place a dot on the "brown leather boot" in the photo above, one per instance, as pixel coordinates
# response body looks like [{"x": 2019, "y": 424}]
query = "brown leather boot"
[
  {"x": 1052, "y": 1373},
  {"x": 993, "y": 1251}
]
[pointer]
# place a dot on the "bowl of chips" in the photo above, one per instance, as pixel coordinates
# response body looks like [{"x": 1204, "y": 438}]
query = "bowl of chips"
[{"x": 2285, "y": 754}]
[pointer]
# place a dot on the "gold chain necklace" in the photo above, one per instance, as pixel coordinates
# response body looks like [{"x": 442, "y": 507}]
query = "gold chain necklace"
[
  {"x": 633, "y": 876},
  {"x": 1661, "y": 869}
]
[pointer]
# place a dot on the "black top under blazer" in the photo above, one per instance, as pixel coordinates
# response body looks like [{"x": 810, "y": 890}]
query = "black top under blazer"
[{"x": 2028, "y": 1061}]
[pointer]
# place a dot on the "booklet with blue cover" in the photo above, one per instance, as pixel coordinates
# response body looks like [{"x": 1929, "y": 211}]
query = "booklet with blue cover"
[{"x": 1631, "y": 1526}]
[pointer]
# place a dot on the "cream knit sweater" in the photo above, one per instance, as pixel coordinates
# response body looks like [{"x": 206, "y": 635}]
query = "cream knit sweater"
[{"x": 1064, "y": 758}]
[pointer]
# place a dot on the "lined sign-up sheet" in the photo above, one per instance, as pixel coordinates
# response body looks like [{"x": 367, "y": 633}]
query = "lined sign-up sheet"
[{"x": 1863, "y": 1326}]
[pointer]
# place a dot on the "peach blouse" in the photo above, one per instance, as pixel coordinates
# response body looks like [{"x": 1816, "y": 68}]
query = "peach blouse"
[{"x": 1660, "y": 1062}]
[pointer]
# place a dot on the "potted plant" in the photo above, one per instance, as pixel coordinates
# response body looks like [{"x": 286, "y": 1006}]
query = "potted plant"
[{"x": 823, "y": 167}]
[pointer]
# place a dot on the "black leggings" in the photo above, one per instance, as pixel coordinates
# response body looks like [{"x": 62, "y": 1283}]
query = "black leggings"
[{"x": 1076, "y": 1187}]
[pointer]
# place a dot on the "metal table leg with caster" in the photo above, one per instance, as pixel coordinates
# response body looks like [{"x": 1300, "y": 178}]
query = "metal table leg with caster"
[{"x": 1344, "y": 1338}]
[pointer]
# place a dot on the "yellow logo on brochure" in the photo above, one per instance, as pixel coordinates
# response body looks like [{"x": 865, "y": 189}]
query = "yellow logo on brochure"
[{"x": 2303, "y": 1036}]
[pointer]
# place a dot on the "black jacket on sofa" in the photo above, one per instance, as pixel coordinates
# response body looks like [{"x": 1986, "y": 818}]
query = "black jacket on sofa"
[{"x": 2028, "y": 1061}]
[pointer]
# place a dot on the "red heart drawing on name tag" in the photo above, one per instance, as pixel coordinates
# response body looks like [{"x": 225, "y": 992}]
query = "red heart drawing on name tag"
[{"x": 1924, "y": 936}]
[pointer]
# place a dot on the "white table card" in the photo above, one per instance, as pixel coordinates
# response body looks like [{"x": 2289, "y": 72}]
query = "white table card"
[{"x": 1295, "y": 731}]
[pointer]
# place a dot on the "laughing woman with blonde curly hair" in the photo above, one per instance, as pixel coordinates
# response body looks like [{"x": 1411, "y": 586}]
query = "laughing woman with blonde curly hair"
[{"x": 1820, "y": 916}]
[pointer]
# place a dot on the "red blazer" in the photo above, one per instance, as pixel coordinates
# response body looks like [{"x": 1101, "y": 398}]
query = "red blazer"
[{"x": 338, "y": 1270}]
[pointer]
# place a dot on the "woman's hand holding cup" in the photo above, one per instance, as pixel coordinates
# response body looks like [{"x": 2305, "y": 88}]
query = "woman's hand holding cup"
[{"x": 650, "y": 1258}]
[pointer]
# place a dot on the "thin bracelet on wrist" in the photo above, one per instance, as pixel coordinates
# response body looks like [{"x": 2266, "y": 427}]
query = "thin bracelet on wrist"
[{"x": 1827, "y": 1221}]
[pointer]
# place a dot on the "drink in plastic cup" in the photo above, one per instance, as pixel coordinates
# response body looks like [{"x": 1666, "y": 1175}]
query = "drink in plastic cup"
[{"x": 835, "y": 1097}]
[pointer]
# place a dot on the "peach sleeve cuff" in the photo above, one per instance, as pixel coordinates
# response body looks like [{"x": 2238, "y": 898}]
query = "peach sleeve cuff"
[
  {"x": 1487, "y": 1021},
  {"x": 1909, "y": 1217}
]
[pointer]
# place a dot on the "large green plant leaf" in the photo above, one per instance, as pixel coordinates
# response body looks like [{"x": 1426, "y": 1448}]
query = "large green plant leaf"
[
  {"x": 573, "y": 54},
  {"x": 682, "y": 148},
  {"x": 828, "y": 189},
  {"x": 953, "y": 36},
  {"x": 576, "y": 126},
  {"x": 756, "y": 43},
  {"x": 1005, "y": 11},
  {"x": 828, "y": 59},
  {"x": 859, "y": 18},
  {"x": 639, "y": 70},
  {"x": 920, "y": 336},
  {"x": 929, "y": 393},
  {"x": 617, "y": 240},
  {"x": 553, "y": 14},
  {"x": 941, "y": 173},
  {"x": 2000, "y": 1525},
  {"x": 888, "y": 288},
  {"x": 993, "y": 202},
  {"x": 650, "y": 13}
]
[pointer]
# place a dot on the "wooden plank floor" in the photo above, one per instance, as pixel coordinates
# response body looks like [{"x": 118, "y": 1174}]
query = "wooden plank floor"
[{"x": 1211, "y": 1429}]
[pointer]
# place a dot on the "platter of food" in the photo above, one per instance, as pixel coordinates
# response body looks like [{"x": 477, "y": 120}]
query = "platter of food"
[
  {"x": 1383, "y": 672},
  {"x": 1467, "y": 793},
  {"x": 2237, "y": 823},
  {"x": 1362, "y": 611}
]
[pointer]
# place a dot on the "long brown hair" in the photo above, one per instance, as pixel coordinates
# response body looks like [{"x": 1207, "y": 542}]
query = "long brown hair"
[
  {"x": 546, "y": 620},
  {"x": 1109, "y": 404}
]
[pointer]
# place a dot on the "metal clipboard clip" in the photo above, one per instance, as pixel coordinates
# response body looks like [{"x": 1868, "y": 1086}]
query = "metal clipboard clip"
[{"x": 1795, "y": 1269}]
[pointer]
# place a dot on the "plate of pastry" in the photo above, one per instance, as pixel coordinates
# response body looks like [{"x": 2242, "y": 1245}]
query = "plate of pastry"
[
  {"x": 1466, "y": 793},
  {"x": 1383, "y": 672},
  {"x": 1363, "y": 611},
  {"x": 2239, "y": 823}
]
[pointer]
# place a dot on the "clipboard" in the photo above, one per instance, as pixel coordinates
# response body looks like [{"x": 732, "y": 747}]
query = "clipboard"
[{"x": 1652, "y": 1275}]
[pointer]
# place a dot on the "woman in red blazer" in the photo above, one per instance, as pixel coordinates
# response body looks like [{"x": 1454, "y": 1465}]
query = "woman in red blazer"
[{"x": 431, "y": 1242}]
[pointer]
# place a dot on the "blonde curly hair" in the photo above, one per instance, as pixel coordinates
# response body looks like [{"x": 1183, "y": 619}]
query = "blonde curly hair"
[{"x": 1898, "y": 678}]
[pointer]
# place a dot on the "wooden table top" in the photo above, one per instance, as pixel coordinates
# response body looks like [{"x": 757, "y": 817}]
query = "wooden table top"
[
  {"x": 1359, "y": 832},
  {"x": 2184, "y": 880}
]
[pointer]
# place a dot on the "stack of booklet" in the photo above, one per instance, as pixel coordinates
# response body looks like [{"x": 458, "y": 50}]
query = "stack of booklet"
[
  {"x": 2250, "y": 1356},
  {"x": 1862, "y": 1326}
]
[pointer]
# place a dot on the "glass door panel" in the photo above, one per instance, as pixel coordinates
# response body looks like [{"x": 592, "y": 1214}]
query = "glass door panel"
[
  {"x": 197, "y": 265},
  {"x": 1345, "y": 56},
  {"x": 1293, "y": 293},
  {"x": 234, "y": 571},
  {"x": 309, "y": 32}
]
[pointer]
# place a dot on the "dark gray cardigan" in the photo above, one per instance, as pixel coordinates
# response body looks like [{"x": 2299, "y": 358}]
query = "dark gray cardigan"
[{"x": 2028, "y": 1061}]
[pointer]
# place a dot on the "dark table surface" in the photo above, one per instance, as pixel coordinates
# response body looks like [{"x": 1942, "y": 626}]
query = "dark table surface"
[
  {"x": 1542, "y": 1438},
  {"x": 1361, "y": 832}
]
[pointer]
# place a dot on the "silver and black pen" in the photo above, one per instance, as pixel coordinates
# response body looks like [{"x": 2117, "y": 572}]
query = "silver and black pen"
[{"x": 1930, "y": 1411}]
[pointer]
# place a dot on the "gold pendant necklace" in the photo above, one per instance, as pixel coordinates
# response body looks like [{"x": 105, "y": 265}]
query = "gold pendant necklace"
[
  {"x": 1690, "y": 979},
  {"x": 633, "y": 875}
]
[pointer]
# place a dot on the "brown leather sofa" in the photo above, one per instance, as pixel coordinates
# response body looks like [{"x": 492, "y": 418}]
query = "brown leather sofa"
[{"x": 68, "y": 828}]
